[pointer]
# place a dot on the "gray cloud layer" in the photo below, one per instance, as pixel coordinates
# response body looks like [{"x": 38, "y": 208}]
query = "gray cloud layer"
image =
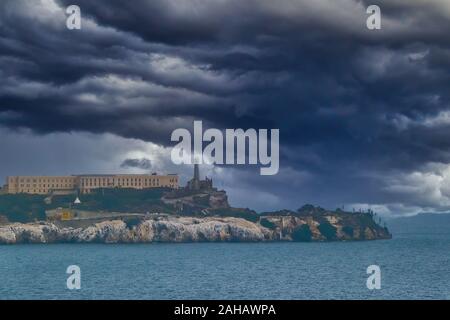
[{"x": 362, "y": 114}]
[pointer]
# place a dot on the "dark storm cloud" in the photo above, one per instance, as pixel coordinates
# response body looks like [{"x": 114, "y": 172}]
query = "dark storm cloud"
[
  {"x": 352, "y": 105},
  {"x": 142, "y": 163}
]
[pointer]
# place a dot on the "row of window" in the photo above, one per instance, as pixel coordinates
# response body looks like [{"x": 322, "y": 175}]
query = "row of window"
[
  {"x": 46, "y": 180},
  {"x": 73, "y": 180},
  {"x": 23, "y": 190},
  {"x": 90, "y": 184},
  {"x": 123, "y": 182},
  {"x": 47, "y": 186},
  {"x": 66, "y": 186},
  {"x": 33, "y": 191}
]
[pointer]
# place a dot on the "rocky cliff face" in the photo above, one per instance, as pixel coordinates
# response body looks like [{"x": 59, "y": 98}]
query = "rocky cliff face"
[
  {"x": 325, "y": 227},
  {"x": 192, "y": 229}
]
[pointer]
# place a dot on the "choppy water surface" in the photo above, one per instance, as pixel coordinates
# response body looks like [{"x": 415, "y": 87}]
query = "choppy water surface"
[{"x": 415, "y": 265}]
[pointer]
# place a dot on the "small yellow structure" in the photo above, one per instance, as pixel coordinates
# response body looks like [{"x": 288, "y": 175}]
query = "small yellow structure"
[{"x": 66, "y": 215}]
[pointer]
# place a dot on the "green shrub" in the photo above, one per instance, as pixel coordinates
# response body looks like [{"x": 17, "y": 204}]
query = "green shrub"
[
  {"x": 22, "y": 208},
  {"x": 132, "y": 222},
  {"x": 243, "y": 213},
  {"x": 118, "y": 200},
  {"x": 302, "y": 233},
  {"x": 348, "y": 231},
  {"x": 267, "y": 224},
  {"x": 327, "y": 230}
]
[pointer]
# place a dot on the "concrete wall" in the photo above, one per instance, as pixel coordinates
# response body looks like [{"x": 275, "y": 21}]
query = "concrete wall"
[
  {"x": 86, "y": 183},
  {"x": 40, "y": 184}
]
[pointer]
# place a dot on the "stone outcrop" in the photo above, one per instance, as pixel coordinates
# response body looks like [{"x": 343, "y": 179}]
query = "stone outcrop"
[
  {"x": 325, "y": 227},
  {"x": 193, "y": 229}
]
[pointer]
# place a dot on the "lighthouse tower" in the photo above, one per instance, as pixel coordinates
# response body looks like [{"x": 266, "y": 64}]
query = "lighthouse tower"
[
  {"x": 196, "y": 179},
  {"x": 196, "y": 184}
]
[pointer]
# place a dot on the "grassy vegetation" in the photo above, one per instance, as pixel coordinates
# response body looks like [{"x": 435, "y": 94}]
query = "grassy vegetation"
[
  {"x": 22, "y": 208},
  {"x": 246, "y": 214},
  {"x": 26, "y": 208},
  {"x": 122, "y": 200}
]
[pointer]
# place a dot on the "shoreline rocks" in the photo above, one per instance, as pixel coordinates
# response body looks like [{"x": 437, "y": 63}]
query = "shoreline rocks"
[{"x": 196, "y": 229}]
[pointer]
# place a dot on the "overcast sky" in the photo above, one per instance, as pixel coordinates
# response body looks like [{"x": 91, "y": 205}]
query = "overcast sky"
[{"x": 363, "y": 115}]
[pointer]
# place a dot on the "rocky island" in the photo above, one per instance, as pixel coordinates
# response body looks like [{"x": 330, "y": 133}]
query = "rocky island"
[
  {"x": 329, "y": 226},
  {"x": 197, "y": 213}
]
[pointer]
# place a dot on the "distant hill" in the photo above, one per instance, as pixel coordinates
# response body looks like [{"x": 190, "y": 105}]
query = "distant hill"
[{"x": 421, "y": 223}]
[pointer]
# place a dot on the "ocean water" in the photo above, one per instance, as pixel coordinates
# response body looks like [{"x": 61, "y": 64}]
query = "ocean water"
[{"x": 414, "y": 265}]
